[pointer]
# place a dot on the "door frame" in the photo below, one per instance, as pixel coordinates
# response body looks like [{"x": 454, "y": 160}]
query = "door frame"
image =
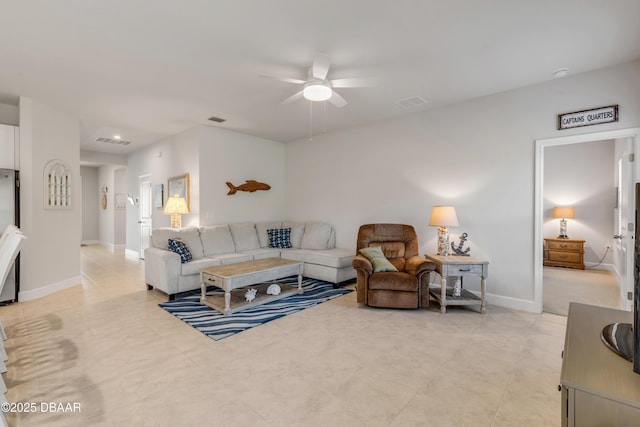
[
  {"x": 538, "y": 216},
  {"x": 142, "y": 179}
]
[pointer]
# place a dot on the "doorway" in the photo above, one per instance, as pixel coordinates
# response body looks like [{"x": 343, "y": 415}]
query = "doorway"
[{"x": 545, "y": 145}]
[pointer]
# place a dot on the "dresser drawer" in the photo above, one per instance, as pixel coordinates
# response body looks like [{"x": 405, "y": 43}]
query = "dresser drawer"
[
  {"x": 564, "y": 256},
  {"x": 564, "y": 246},
  {"x": 464, "y": 270},
  {"x": 210, "y": 280}
]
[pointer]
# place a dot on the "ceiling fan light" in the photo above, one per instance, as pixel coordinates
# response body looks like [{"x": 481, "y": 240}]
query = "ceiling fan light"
[{"x": 317, "y": 91}]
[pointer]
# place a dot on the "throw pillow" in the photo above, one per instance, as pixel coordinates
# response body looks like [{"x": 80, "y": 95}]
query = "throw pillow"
[
  {"x": 279, "y": 238},
  {"x": 178, "y": 246},
  {"x": 378, "y": 260}
]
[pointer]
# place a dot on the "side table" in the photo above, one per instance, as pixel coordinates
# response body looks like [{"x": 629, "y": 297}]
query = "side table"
[{"x": 460, "y": 266}]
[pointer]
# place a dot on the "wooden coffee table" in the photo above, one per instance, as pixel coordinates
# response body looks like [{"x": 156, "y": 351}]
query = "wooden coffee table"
[{"x": 244, "y": 275}]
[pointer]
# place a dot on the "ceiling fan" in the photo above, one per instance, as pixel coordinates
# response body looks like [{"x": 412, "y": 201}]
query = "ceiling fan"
[{"x": 318, "y": 88}]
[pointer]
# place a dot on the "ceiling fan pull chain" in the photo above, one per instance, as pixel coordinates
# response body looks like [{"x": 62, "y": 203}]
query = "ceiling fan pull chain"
[{"x": 310, "y": 121}]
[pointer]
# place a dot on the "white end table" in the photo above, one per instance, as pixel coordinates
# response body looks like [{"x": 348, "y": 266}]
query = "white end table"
[{"x": 460, "y": 266}]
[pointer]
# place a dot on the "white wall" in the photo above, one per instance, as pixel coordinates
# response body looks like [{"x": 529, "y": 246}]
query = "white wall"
[
  {"x": 90, "y": 205},
  {"x": 9, "y": 115},
  {"x": 582, "y": 176},
  {"x": 169, "y": 157},
  {"x": 211, "y": 156},
  {"x": 477, "y": 156},
  {"x": 230, "y": 156},
  {"x": 50, "y": 259}
]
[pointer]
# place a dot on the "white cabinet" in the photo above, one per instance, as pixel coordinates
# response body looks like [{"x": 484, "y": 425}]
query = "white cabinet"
[{"x": 8, "y": 147}]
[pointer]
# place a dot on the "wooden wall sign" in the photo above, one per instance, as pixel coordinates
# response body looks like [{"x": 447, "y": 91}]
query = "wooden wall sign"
[{"x": 594, "y": 116}]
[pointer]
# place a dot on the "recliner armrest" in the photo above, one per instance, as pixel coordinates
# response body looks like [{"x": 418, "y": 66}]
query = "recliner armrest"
[
  {"x": 361, "y": 263},
  {"x": 417, "y": 265}
]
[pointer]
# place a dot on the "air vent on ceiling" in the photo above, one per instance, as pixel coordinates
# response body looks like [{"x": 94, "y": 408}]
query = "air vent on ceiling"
[
  {"x": 113, "y": 141},
  {"x": 412, "y": 102},
  {"x": 216, "y": 119}
]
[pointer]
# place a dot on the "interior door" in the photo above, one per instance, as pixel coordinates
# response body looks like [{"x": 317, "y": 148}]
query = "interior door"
[
  {"x": 145, "y": 210},
  {"x": 624, "y": 219}
]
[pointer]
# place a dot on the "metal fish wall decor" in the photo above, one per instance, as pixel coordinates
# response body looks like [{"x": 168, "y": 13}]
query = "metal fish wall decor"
[{"x": 249, "y": 185}]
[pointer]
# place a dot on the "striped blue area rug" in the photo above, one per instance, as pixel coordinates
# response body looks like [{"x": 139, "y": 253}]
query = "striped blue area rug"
[{"x": 217, "y": 326}]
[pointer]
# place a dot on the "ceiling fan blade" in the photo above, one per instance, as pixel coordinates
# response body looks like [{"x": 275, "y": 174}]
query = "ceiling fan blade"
[
  {"x": 293, "y": 98},
  {"x": 354, "y": 82},
  {"x": 337, "y": 100},
  {"x": 285, "y": 79},
  {"x": 320, "y": 66}
]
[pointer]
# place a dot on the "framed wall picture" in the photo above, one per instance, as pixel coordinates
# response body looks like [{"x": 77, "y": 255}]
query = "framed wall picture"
[
  {"x": 158, "y": 195},
  {"x": 179, "y": 185}
]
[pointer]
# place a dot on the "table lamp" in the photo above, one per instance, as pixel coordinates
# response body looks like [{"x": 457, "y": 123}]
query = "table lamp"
[
  {"x": 563, "y": 212},
  {"x": 176, "y": 206},
  {"x": 443, "y": 217}
]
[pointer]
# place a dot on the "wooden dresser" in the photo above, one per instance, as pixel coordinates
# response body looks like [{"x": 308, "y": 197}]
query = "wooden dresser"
[{"x": 564, "y": 253}]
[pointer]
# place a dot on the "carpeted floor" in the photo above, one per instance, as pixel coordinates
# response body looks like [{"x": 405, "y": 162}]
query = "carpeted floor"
[{"x": 563, "y": 285}]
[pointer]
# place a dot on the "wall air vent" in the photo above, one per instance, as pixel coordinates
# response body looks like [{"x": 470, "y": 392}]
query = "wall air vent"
[
  {"x": 412, "y": 102},
  {"x": 216, "y": 119},
  {"x": 113, "y": 141}
]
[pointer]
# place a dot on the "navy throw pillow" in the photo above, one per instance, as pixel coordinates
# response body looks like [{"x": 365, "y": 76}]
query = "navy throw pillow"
[
  {"x": 279, "y": 238},
  {"x": 178, "y": 246}
]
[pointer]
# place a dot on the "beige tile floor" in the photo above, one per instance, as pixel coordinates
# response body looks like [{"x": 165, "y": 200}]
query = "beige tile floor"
[{"x": 106, "y": 345}]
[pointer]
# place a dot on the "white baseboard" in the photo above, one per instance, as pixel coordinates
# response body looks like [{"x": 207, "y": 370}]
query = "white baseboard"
[
  {"x": 112, "y": 246},
  {"x": 43, "y": 291},
  {"x": 512, "y": 303},
  {"x": 595, "y": 266},
  {"x": 90, "y": 242}
]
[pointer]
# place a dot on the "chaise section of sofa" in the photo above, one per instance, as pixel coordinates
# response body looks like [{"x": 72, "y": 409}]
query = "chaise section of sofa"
[{"x": 312, "y": 243}]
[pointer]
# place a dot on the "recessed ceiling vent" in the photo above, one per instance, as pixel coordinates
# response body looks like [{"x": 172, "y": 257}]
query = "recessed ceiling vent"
[
  {"x": 412, "y": 102},
  {"x": 216, "y": 119},
  {"x": 113, "y": 141}
]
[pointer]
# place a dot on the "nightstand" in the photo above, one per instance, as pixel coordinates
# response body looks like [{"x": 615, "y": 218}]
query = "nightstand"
[{"x": 564, "y": 253}]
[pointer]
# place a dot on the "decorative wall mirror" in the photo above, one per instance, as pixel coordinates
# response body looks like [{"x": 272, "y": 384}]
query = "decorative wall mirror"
[{"x": 57, "y": 185}]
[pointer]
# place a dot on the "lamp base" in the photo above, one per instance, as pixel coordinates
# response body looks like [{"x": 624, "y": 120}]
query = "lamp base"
[
  {"x": 443, "y": 241},
  {"x": 563, "y": 229},
  {"x": 176, "y": 221}
]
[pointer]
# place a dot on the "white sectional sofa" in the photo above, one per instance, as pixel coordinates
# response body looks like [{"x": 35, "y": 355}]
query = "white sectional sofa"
[{"x": 312, "y": 243}]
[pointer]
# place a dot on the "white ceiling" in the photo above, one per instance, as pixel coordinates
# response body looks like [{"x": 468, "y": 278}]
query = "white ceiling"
[{"x": 146, "y": 69}]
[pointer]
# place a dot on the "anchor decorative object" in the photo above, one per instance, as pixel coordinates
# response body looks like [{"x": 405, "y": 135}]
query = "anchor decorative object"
[{"x": 458, "y": 250}]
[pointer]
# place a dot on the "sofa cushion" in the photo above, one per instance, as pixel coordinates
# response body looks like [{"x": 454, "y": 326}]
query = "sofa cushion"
[
  {"x": 262, "y": 227},
  {"x": 377, "y": 258},
  {"x": 316, "y": 236},
  {"x": 194, "y": 267},
  {"x": 216, "y": 239},
  {"x": 279, "y": 238},
  {"x": 297, "y": 230},
  {"x": 233, "y": 258},
  {"x": 190, "y": 236},
  {"x": 335, "y": 258},
  {"x": 244, "y": 236},
  {"x": 262, "y": 253}
]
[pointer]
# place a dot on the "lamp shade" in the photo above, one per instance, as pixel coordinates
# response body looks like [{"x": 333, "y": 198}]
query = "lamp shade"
[
  {"x": 563, "y": 212},
  {"x": 443, "y": 216},
  {"x": 176, "y": 205}
]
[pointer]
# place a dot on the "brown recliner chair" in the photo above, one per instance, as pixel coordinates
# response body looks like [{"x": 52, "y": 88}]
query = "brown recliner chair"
[{"x": 406, "y": 288}]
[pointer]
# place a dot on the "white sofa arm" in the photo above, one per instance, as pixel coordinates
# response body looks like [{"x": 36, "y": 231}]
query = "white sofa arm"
[{"x": 161, "y": 269}]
